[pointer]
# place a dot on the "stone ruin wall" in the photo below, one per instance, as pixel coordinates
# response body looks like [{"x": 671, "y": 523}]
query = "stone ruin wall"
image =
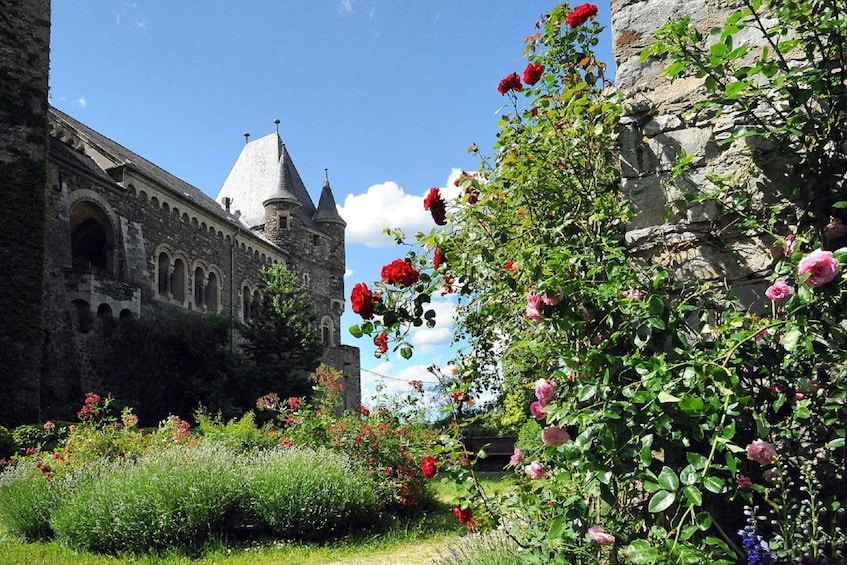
[{"x": 657, "y": 124}]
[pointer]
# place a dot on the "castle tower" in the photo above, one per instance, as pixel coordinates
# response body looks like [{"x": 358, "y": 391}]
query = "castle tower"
[
  {"x": 24, "y": 64},
  {"x": 329, "y": 221},
  {"x": 283, "y": 210}
]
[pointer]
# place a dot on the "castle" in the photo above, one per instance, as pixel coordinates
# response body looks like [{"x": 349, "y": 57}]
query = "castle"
[{"x": 125, "y": 239}]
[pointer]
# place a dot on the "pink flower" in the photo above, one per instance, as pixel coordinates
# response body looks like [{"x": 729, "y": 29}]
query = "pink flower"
[
  {"x": 778, "y": 291},
  {"x": 533, "y": 306},
  {"x": 744, "y": 482},
  {"x": 516, "y": 458},
  {"x": 761, "y": 452},
  {"x": 599, "y": 535},
  {"x": 545, "y": 391},
  {"x": 535, "y": 410},
  {"x": 789, "y": 245},
  {"x": 49, "y": 426},
  {"x": 633, "y": 293},
  {"x": 534, "y": 470},
  {"x": 820, "y": 266},
  {"x": 554, "y": 436},
  {"x": 770, "y": 476},
  {"x": 552, "y": 300}
]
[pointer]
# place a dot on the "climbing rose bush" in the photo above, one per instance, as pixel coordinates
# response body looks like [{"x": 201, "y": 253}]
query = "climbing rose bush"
[
  {"x": 399, "y": 272},
  {"x": 649, "y": 385}
]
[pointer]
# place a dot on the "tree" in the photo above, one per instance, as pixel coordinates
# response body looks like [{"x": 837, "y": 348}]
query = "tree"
[{"x": 280, "y": 347}]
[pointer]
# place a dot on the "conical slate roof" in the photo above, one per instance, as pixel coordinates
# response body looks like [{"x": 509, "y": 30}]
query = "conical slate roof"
[
  {"x": 256, "y": 176},
  {"x": 327, "y": 210},
  {"x": 284, "y": 183}
]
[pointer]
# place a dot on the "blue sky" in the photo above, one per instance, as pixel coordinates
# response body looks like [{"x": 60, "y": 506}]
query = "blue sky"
[{"x": 386, "y": 94}]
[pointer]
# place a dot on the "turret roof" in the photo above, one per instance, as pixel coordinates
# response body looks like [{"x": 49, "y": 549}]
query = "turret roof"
[{"x": 327, "y": 210}]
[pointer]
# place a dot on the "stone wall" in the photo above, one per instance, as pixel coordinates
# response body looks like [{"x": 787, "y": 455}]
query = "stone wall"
[
  {"x": 24, "y": 63},
  {"x": 657, "y": 125}
]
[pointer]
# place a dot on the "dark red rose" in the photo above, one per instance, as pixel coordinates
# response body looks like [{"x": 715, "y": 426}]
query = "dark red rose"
[
  {"x": 435, "y": 204},
  {"x": 509, "y": 265},
  {"x": 580, "y": 15},
  {"x": 400, "y": 272},
  {"x": 364, "y": 410},
  {"x": 511, "y": 82},
  {"x": 428, "y": 466},
  {"x": 437, "y": 258},
  {"x": 381, "y": 343},
  {"x": 532, "y": 73},
  {"x": 363, "y": 301}
]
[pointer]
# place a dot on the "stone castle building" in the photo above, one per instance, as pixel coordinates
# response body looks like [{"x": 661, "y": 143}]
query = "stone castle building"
[{"x": 113, "y": 236}]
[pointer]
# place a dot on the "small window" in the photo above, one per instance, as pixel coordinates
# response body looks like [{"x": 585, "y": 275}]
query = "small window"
[{"x": 284, "y": 221}]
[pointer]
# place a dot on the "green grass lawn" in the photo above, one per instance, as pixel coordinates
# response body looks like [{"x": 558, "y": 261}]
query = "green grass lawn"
[{"x": 408, "y": 541}]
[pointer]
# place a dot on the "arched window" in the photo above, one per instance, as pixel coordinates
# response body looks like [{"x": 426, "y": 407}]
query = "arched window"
[
  {"x": 92, "y": 238},
  {"x": 178, "y": 281},
  {"x": 199, "y": 284},
  {"x": 256, "y": 304},
  {"x": 246, "y": 313},
  {"x": 327, "y": 331},
  {"x": 211, "y": 293},
  {"x": 164, "y": 268}
]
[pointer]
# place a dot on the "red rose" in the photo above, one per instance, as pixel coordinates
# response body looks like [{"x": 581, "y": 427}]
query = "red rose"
[
  {"x": 464, "y": 515},
  {"x": 437, "y": 258},
  {"x": 580, "y": 15},
  {"x": 364, "y": 410},
  {"x": 363, "y": 301},
  {"x": 509, "y": 265},
  {"x": 399, "y": 272},
  {"x": 511, "y": 82},
  {"x": 428, "y": 466},
  {"x": 435, "y": 204},
  {"x": 532, "y": 73},
  {"x": 381, "y": 343}
]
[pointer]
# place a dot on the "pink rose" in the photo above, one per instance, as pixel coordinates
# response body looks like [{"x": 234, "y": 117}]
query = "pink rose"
[
  {"x": 599, "y": 535},
  {"x": 778, "y": 291},
  {"x": 554, "y": 299},
  {"x": 744, "y": 482},
  {"x": 761, "y": 452},
  {"x": 554, "y": 436},
  {"x": 820, "y": 266},
  {"x": 633, "y": 293},
  {"x": 516, "y": 458},
  {"x": 545, "y": 391},
  {"x": 535, "y": 409},
  {"x": 533, "y": 306},
  {"x": 534, "y": 470}
]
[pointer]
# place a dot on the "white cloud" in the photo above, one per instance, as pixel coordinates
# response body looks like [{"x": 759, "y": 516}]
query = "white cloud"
[
  {"x": 427, "y": 340},
  {"x": 383, "y": 206},
  {"x": 388, "y": 205},
  {"x": 346, "y": 6},
  {"x": 81, "y": 102},
  {"x": 348, "y": 272}
]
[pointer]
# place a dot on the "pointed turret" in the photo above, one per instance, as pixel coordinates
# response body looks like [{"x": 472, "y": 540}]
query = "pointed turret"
[
  {"x": 284, "y": 192},
  {"x": 327, "y": 211}
]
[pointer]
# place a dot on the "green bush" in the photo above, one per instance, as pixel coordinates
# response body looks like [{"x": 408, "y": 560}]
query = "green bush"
[
  {"x": 179, "y": 498},
  {"x": 7, "y": 443},
  {"x": 26, "y": 501},
  {"x": 240, "y": 434},
  {"x": 490, "y": 548},
  {"x": 306, "y": 494}
]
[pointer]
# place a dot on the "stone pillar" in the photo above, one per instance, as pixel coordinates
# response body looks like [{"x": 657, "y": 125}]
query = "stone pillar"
[
  {"x": 656, "y": 127},
  {"x": 24, "y": 65}
]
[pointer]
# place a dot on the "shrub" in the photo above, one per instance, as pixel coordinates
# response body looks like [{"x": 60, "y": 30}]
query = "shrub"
[
  {"x": 490, "y": 548},
  {"x": 240, "y": 434},
  {"x": 28, "y": 497},
  {"x": 302, "y": 493},
  {"x": 179, "y": 498}
]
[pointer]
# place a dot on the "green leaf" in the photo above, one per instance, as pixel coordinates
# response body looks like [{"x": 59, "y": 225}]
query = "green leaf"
[
  {"x": 666, "y": 397},
  {"x": 697, "y": 461},
  {"x": 693, "y": 494},
  {"x": 406, "y": 352},
  {"x": 790, "y": 339},
  {"x": 661, "y": 501},
  {"x": 835, "y": 444},
  {"x": 714, "y": 484},
  {"x": 668, "y": 479},
  {"x": 355, "y": 331},
  {"x": 688, "y": 475}
]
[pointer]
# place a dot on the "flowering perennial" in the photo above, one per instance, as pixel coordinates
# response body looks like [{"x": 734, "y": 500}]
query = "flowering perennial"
[
  {"x": 363, "y": 301},
  {"x": 436, "y": 206},
  {"x": 581, "y": 14},
  {"x": 400, "y": 273},
  {"x": 510, "y": 83}
]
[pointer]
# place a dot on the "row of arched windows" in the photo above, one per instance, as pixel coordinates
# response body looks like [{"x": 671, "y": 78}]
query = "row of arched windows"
[{"x": 196, "y": 286}]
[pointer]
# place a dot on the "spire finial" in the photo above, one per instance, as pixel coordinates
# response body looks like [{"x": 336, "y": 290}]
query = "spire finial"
[
  {"x": 326, "y": 174},
  {"x": 276, "y": 123},
  {"x": 246, "y": 137}
]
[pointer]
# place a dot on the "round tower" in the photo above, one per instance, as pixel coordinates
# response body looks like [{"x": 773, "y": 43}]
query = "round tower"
[{"x": 283, "y": 210}]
